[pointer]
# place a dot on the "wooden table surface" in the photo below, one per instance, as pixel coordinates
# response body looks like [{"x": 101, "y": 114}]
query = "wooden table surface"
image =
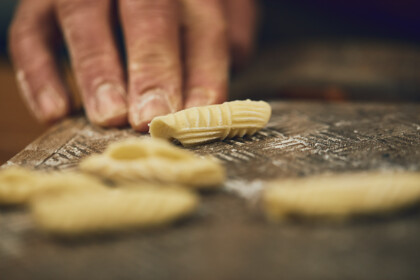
[{"x": 228, "y": 238}]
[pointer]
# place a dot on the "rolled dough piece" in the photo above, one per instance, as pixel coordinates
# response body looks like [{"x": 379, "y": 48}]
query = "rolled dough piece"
[
  {"x": 200, "y": 125},
  {"x": 112, "y": 209},
  {"x": 340, "y": 196},
  {"x": 154, "y": 160},
  {"x": 19, "y": 185}
]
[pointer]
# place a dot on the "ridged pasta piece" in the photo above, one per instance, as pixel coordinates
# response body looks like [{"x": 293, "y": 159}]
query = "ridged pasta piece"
[
  {"x": 200, "y": 125},
  {"x": 340, "y": 196},
  {"x": 154, "y": 160},
  {"x": 19, "y": 185},
  {"x": 110, "y": 210}
]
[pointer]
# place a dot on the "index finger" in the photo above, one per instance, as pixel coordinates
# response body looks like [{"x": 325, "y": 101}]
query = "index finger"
[{"x": 151, "y": 34}]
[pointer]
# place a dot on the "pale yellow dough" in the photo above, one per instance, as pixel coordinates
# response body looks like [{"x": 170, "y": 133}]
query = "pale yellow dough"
[
  {"x": 19, "y": 185},
  {"x": 340, "y": 196},
  {"x": 112, "y": 209},
  {"x": 154, "y": 160},
  {"x": 208, "y": 123}
]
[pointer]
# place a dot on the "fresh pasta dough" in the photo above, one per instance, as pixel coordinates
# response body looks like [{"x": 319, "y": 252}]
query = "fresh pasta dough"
[
  {"x": 208, "y": 123},
  {"x": 340, "y": 196},
  {"x": 154, "y": 160},
  {"x": 18, "y": 185},
  {"x": 111, "y": 210}
]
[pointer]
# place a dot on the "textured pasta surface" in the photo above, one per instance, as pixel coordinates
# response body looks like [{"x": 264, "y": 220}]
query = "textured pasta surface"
[
  {"x": 111, "y": 210},
  {"x": 340, "y": 196},
  {"x": 19, "y": 185},
  {"x": 215, "y": 122},
  {"x": 154, "y": 160}
]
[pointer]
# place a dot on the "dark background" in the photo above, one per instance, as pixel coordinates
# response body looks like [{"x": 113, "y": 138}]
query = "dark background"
[
  {"x": 326, "y": 19},
  {"x": 322, "y": 19},
  {"x": 6, "y": 13}
]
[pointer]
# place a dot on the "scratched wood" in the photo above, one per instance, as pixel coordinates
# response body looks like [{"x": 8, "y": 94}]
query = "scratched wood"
[{"x": 229, "y": 239}]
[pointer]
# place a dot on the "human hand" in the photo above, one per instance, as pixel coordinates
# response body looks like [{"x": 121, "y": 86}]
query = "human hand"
[{"x": 178, "y": 54}]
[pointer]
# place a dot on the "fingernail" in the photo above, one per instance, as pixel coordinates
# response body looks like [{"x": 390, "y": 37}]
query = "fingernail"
[
  {"x": 200, "y": 97},
  {"x": 51, "y": 104},
  {"x": 145, "y": 107},
  {"x": 109, "y": 106}
]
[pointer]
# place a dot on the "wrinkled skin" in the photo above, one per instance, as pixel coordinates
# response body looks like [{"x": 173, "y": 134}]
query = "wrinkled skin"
[{"x": 178, "y": 55}]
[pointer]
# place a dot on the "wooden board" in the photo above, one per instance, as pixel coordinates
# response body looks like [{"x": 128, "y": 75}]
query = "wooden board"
[{"x": 229, "y": 239}]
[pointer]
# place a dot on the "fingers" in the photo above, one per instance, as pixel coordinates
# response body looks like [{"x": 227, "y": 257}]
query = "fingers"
[
  {"x": 31, "y": 39},
  {"x": 87, "y": 28},
  {"x": 241, "y": 15},
  {"x": 151, "y": 32},
  {"x": 206, "y": 52}
]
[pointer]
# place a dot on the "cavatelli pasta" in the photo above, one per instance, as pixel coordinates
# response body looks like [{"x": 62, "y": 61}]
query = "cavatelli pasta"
[
  {"x": 340, "y": 196},
  {"x": 111, "y": 209},
  {"x": 19, "y": 185},
  {"x": 154, "y": 160},
  {"x": 208, "y": 123}
]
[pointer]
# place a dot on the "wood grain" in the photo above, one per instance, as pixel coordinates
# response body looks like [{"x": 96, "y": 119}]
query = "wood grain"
[{"x": 230, "y": 239}]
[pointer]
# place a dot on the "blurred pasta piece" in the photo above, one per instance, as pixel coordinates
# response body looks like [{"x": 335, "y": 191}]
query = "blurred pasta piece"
[
  {"x": 340, "y": 196},
  {"x": 154, "y": 160},
  {"x": 19, "y": 185},
  {"x": 112, "y": 210}
]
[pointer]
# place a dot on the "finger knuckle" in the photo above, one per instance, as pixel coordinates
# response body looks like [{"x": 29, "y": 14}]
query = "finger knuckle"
[
  {"x": 20, "y": 32},
  {"x": 68, "y": 8},
  {"x": 213, "y": 20},
  {"x": 215, "y": 32},
  {"x": 96, "y": 67},
  {"x": 91, "y": 58},
  {"x": 156, "y": 6},
  {"x": 219, "y": 26},
  {"x": 149, "y": 15},
  {"x": 156, "y": 57}
]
